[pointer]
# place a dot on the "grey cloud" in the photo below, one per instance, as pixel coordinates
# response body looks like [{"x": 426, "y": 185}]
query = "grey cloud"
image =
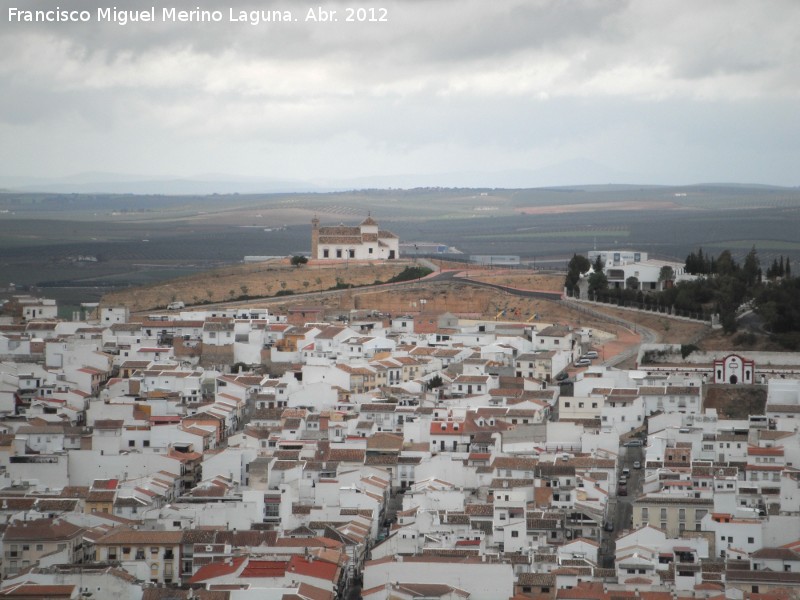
[{"x": 447, "y": 85}]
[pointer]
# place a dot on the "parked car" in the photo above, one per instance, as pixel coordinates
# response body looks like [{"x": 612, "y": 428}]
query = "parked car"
[
  {"x": 626, "y": 472},
  {"x": 562, "y": 376},
  {"x": 623, "y": 480},
  {"x": 637, "y": 465},
  {"x": 591, "y": 354},
  {"x": 622, "y": 490},
  {"x": 633, "y": 444},
  {"x": 582, "y": 362},
  {"x": 608, "y": 526}
]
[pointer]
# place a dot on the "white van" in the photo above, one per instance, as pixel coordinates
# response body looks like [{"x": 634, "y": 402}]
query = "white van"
[
  {"x": 175, "y": 305},
  {"x": 582, "y": 362},
  {"x": 590, "y": 354}
]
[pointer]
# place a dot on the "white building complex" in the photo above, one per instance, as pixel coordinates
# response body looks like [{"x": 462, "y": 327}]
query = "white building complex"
[
  {"x": 619, "y": 265},
  {"x": 363, "y": 242}
]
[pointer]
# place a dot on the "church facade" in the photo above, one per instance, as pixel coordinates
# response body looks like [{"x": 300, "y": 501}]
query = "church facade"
[{"x": 365, "y": 241}]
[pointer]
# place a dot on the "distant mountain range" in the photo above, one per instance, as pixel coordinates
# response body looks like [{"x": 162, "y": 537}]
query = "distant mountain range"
[
  {"x": 114, "y": 183},
  {"x": 574, "y": 173}
]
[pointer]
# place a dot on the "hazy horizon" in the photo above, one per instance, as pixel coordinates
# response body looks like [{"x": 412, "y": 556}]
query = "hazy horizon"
[{"x": 218, "y": 183}]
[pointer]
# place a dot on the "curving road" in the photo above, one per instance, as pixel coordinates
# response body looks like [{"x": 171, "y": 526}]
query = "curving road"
[{"x": 645, "y": 334}]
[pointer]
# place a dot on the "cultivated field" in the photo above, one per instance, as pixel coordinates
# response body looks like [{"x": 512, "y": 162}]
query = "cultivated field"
[{"x": 96, "y": 243}]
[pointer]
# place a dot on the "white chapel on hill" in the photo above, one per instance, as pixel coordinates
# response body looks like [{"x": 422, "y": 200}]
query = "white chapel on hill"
[{"x": 362, "y": 242}]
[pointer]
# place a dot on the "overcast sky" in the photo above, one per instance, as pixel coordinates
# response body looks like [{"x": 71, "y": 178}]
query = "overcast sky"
[{"x": 638, "y": 91}]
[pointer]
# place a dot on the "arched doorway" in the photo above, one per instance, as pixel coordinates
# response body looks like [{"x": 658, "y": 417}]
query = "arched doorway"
[{"x": 734, "y": 379}]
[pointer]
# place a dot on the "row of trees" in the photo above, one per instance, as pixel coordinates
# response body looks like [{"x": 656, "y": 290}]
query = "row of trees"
[
  {"x": 702, "y": 264},
  {"x": 779, "y": 269}
]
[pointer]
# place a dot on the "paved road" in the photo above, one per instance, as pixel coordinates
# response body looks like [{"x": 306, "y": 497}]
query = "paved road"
[
  {"x": 645, "y": 334},
  {"x": 620, "y": 508},
  {"x": 436, "y": 276}
]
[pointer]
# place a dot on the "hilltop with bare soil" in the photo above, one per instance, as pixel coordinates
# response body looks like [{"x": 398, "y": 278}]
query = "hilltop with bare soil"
[
  {"x": 253, "y": 281},
  {"x": 259, "y": 283}
]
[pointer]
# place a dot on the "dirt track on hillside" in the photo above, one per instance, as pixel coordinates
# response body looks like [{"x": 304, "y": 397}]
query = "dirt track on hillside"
[
  {"x": 255, "y": 280},
  {"x": 267, "y": 279}
]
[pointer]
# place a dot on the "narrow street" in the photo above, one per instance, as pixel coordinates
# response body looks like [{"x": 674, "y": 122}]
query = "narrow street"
[{"x": 620, "y": 508}]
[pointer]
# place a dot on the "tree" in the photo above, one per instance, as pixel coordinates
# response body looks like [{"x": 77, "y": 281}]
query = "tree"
[
  {"x": 435, "y": 382},
  {"x": 705, "y": 266},
  {"x": 598, "y": 265},
  {"x": 750, "y": 268},
  {"x": 598, "y": 282},
  {"x": 577, "y": 266},
  {"x": 632, "y": 283},
  {"x": 725, "y": 264},
  {"x": 298, "y": 260},
  {"x": 691, "y": 263},
  {"x": 773, "y": 270},
  {"x": 666, "y": 273}
]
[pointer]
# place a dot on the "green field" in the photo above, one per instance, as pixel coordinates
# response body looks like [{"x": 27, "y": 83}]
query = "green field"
[
  {"x": 760, "y": 244},
  {"x": 570, "y": 234}
]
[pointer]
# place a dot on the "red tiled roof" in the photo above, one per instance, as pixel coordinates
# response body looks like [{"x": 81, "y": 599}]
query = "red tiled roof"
[
  {"x": 318, "y": 569},
  {"x": 41, "y": 530},
  {"x": 448, "y": 428},
  {"x": 264, "y": 568},
  {"x": 217, "y": 569},
  {"x": 313, "y": 593},
  {"x": 31, "y": 590},
  {"x": 105, "y": 484},
  {"x": 468, "y": 543},
  {"x": 758, "y": 451}
]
